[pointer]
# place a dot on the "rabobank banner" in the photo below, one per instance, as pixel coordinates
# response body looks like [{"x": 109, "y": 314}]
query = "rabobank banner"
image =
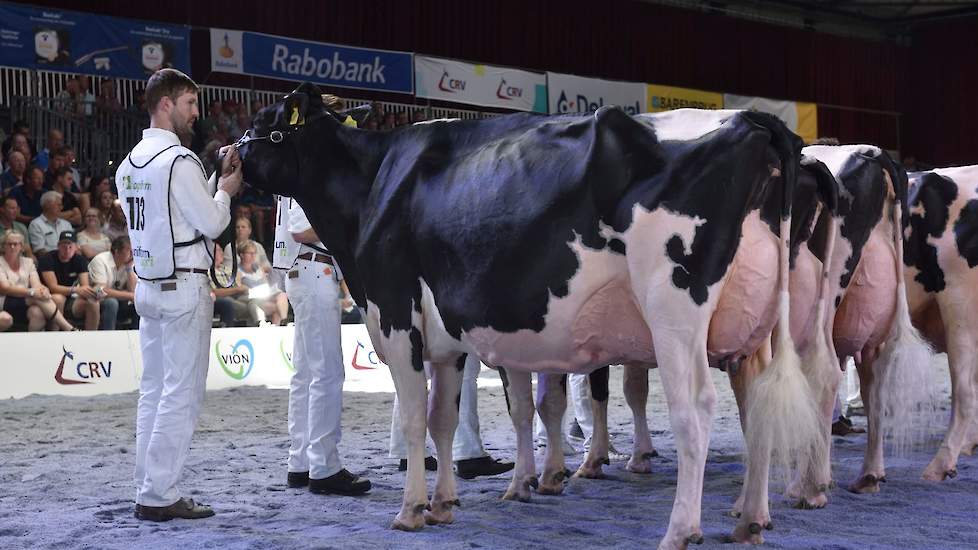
[
  {"x": 273, "y": 56},
  {"x": 577, "y": 94},
  {"x": 71, "y": 41},
  {"x": 484, "y": 85},
  {"x": 801, "y": 118}
]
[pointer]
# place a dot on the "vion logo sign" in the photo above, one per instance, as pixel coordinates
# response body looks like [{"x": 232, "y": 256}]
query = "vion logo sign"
[
  {"x": 236, "y": 361},
  {"x": 81, "y": 372}
]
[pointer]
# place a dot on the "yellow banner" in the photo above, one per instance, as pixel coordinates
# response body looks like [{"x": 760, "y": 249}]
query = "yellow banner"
[
  {"x": 807, "y": 121},
  {"x": 666, "y": 98}
]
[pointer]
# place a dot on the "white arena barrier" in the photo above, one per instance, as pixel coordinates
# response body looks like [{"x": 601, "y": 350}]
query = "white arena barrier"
[{"x": 105, "y": 362}]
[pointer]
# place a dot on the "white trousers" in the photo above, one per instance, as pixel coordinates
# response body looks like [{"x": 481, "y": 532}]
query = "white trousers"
[
  {"x": 316, "y": 391},
  {"x": 174, "y": 335},
  {"x": 468, "y": 441}
]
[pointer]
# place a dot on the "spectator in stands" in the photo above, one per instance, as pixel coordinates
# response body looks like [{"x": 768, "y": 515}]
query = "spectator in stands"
[
  {"x": 56, "y": 140},
  {"x": 20, "y": 128},
  {"x": 70, "y": 210},
  {"x": 115, "y": 224},
  {"x": 97, "y": 184},
  {"x": 107, "y": 102},
  {"x": 208, "y": 157},
  {"x": 403, "y": 119},
  {"x": 28, "y": 196},
  {"x": 65, "y": 273},
  {"x": 69, "y": 162},
  {"x": 85, "y": 92},
  {"x": 24, "y": 298},
  {"x": 8, "y": 222},
  {"x": 231, "y": 120},
  {"x": 269, "y": 300},
  {"x": 242, "y": 236},
  {"x": 370, "y": 124},
  {"x": 138, "y": 103},
  {"x": 242, "y": 121},
  {"x": 256, "y": 106},
  {"x": 70, "y": 100},
  {"x": 377, "y": 112},
  {"x": 21, "y": 143},
  {"x": 91, "y": 240},
  {"x": 390, "y": 122},
  {"x": 419, "y": 116},
  {"x": 230, "y": 304},
  {"x": 46, "y": 228},
  {"x": 56, "y": 160},
  {"x": 14, "y": 175},
  {"x": 112, "y": 275}
]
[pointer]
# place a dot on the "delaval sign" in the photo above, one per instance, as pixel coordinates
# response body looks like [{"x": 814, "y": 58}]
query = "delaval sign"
[
  {"x": 576, "y": 94},
  {"x": 284, "y": 58},
  {"x": 484, "y": 85}
]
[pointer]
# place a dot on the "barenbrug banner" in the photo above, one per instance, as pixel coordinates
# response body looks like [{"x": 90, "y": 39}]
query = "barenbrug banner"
[
  {"x": 258, "y": 54},
  {"x": 484, "y": 85},
  {"x": 801, "y": 118},
  {"x": 577, "y": 94},
  {"x": 666, "y": 98},
  {"x": 70, "y": 41}
]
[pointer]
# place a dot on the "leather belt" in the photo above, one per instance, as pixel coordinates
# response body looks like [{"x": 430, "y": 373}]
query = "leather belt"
[
  {"x": 190, "y": 270},
  {"x": 316, "y": 257}
]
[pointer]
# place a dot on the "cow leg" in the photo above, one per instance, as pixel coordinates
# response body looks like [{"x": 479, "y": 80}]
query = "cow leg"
[
  {"x": 691, "y": 397},
  {"x": 824, "y": 379},
  {"x": 412, "y": 395},
  {"x": 446, "y": 393},
  {"x": 519, "y": 402},
  {"x": 740, "y": 379},
  {"x": 635, "y": 384},
  {"x": 598, "y": 453},
  {"x": 961, "y": 355},
  {"x": 873, "y": 471},
  {"x": 552, "y": 402}
]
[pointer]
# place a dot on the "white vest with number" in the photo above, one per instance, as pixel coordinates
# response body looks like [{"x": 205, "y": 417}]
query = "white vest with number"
[
  {"x": 143, "y": 180},
  {"x": 286, "y": 248}
]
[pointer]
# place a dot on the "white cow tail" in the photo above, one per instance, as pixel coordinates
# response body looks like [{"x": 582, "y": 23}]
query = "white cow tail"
[
  {"x": 904, "y": 390},
  {"x": 782, "y": 415}
]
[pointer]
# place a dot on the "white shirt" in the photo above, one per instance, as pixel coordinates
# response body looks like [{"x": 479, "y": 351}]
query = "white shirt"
[
  {"x": 192, "y": 208},
  {"x": 298, "y": 222},
  {"x": 104, "y": 272},
  {"x": 44, "y": 234}
]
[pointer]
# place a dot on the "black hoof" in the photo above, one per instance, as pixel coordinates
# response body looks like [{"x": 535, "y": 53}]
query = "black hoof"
[
  {"x": 754, "y": 528},
  {"x": 653, "y": 454},
  {"x": 457, "y": 502},
  {"x": 695, "y": 539},
  {"x": 606, "y": 461},
  {"x": 566, "y": 474},
  {"x": 534, "y": 482},
  {"x": 769, "y": 526},
  {"x": 952, "y": 473}
]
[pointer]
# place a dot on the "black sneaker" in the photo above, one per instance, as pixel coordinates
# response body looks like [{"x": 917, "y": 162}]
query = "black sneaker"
[
  {"x": 185, "y": 508},
  {"x": 482, "y": 466},
  {"x": 341, "y": 483},
  {"x": 430, "y": 464},
  {"x": 297, "y": 479}
]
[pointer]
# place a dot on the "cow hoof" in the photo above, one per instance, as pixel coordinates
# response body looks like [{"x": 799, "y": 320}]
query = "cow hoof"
[
  {"x": 641, "y": 463},
  {"x": 939, "y": 471},
  {"x": 867, "y": 484},
  {"x": 748, "y": 533},
  {"x": 553, "y": 484},
  {"x": 969, "y": 449},
  {"x": 413, "y": 523},
  {"x": 695, "y": 538},
  {"x": 812, "y": 502},
  {"x": 439, "y": 513},
  {"x": 590, "y": 471},
  {"x": 519, "y": 489},
  {"x": 769, "y": 526}
]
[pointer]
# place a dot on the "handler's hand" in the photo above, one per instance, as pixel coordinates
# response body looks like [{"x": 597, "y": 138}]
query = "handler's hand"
[{"x": 230, "y": 181}]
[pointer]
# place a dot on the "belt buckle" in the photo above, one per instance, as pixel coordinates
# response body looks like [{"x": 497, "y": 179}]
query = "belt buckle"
[{"x": 167, "y": 287}]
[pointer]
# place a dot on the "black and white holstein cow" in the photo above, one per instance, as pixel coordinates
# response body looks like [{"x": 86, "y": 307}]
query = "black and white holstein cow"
[
  {"x": 557, "y": 244},
  {"x": 942, "y": 284}
]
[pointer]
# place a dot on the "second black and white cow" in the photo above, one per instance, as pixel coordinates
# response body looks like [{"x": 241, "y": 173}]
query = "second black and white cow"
[{"x": 557, "y": 244}]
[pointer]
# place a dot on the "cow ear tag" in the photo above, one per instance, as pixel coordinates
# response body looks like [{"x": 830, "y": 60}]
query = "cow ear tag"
[{"x": 295, "y": 120}]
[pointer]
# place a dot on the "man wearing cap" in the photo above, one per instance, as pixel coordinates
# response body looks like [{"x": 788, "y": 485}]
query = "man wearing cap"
[
  {"x": 172, "y": 212},
  {"x": 65, "y": 273},
  {"x": 45, "y": 229}
]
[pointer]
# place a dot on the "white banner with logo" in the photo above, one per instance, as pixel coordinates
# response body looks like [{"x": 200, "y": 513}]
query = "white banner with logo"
[
  {"x": 576, "y": 94},
  {"x": 107, "y": 362},
  {"x": 801, "y": 118},
  {"x": 460, "y": 82}
]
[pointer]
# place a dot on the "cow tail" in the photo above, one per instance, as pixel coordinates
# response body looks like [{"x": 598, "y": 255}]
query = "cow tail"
[
  {"x": 903, "y": 394},
  {"x": 782, "y": 413}
]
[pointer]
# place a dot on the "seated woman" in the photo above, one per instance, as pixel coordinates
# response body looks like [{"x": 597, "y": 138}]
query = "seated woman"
[
  {"x": 242, "y": 235},
  {"x": 115, "y": 225},
  {"x": 269, "y": 300},
  {"x": 91, "y": 240},
  {"x": 24, "y": 298}
]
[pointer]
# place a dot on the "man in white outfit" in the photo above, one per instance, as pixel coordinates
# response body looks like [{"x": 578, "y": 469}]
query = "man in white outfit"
[
  {"x": 316, "y": 391},
  {"x": 172, "y": 212},
  {"x": 471, "y": 458}
]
